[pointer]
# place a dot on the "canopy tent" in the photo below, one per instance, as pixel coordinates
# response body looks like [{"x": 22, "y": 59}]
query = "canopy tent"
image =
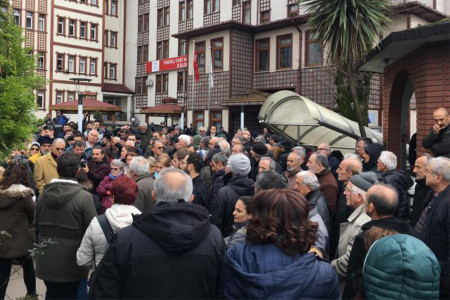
[
  {"x": 163, "y": 110},
  {"x": 304, "y": 122},
  {"x": 89, "y": 105}
]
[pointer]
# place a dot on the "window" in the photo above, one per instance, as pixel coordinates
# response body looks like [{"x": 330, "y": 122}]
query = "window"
[
  {"x": 284, "y": 52},
  {"x": 40, "y": 99},
  {"x": 162, "y": 81},
  {"x": 199, "y": 119},
  {"x": 112, "y": 71},
  {"x": 264, "y": 17},
  {"x": 93, "y": 32},
  {"x": 72, "y": 26},
  {"x": 200, "y": 47},
  {"x": 181, "y": 83},
  {"x": 41, "y": 22},
  {"x": 41, "y": 60},
  {"x": 293, "y": 10},
  {"x": 146, "y": 22},
  {"x": 189, "y": 9},
  {"x": 83, "y": 29},
  {"x": 139, "y": 59},
  {"x": 70, "y": 96},
  {"x": 59, "y": 97},
  {"x": 217, "y": 53},
  {"x": 105, "y": 38},
  {"x": 93, "y": 66},
  {"x": 142, "y": 54},
  {"x": 114, "y": 8},
  {"x": 82, "y": 65},
  {"x": 59, "y": 62},
  {"x": 212, "y": 6},
  {"x": 60, "y": 29},
  {"x": 29, "y": 20},
  {"x": 113, "y": 43},
  {"x": 138, "y": 86},
  {"x": 246, "y": 12},
  {"x": 182, "y": 46},
  {"x": 106, "y": 7},
  {"x": 162, "y": 49},
  {"x": 17, "y": 17},
  {"x": 314, "y": 51},
  {"x": 163, "y": 17},
  {"x": 94, "y": 2},
  {"x": 236, "y": 2},
  {"x": 141, "y": 23},
  {"x": 105, "y": 70},
  {"x": 182, "y": 12},
  {"x": 215, "y": 118},
  {"x": 71, "y": 64},
  {"x": 262, "y": 56}
]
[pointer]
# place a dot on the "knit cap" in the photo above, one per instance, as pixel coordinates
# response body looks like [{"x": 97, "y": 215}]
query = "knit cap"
[
  {"x": 239, "y": 164},
  {"x": 259, "y": 148},
  {"x": 196, "y": 139},
  {"x": 364, "y": 180}
]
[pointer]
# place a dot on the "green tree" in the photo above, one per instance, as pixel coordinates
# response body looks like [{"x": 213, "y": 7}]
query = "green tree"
[
  {"x": 350, "y": 29},
  {"x": 18, "y": 79}
]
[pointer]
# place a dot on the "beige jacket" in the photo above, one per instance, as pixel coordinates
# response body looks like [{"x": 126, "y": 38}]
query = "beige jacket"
[{"x": 44, "y": 171}]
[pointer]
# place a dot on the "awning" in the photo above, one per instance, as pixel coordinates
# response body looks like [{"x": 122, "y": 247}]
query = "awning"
[
  {"x": 116, "y": 88},
  {"x": 163, "y": 110},
  {"x": 89, "y": 105},
  {"x": 304, "y": 122},
  {"x": 251, "y": 98}
]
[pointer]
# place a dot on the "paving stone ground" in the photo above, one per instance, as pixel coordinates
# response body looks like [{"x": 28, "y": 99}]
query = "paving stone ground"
[{"x": 16, "y": 287}]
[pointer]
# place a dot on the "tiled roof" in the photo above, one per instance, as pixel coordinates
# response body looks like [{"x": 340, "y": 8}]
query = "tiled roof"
[
  {"x": 163, "y": 109},
  {"x": 88, "y": 105},
  {"x": 116, "y": 88},
  {"x": 251, "y": 98}
]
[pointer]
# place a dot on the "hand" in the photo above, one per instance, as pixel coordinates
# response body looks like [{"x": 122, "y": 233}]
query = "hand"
[
  {"x": 86, "y": 169},
  {"x": 436, "y": 129}
]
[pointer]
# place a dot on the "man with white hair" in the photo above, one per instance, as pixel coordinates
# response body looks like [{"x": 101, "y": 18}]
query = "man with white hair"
[
  {"x": 294, "y": 163},
  {"x": 355, "y": 192},
  {"x": 433, "y": 226},
  {"x": 172, "y": 252},
  {"x": 325, "y": 149},
  {"x": 146, "y": 135},
  {"x": 240, "y": 185},
  {"x": 183, "y": 141},
  {"x": 45, "y": 166},
  {"x": 398, "y": 179},
  {"x": 140, "y": 172}
]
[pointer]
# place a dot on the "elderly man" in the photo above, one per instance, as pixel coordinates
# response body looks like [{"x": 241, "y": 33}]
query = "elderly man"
[
  {"x": 399, "y": 179},
  {"x": 318, "y": 164},
  {"x": 173, "y": 252},
  {"x": 266, "y": 164},
  {"x": 361, "y": 145},
  {"x": 247, "y": 140},
  {"x": 240, "y": 185},
  {"x": 433, "y": 226},
  {"x": 183, "y": 142},
  {"x": 45, "y": 166},
  {"x": 218, "y": 164},
  {"x": 422, "y": 192},
  {"x": 325, "y": 149},
  {"x": 257, "y": 151},
  {"x": 146, "y": 135},
  {"x": 157, "y": 148},
  {"x": 91, "y": 142},
  {"x": 294, "y": 162},
  {"x": 382, "y": 201},
  {"x": 355, "y": 191},
  {"x": 307, "y": 184},
  {"x": 438, "y": 140},
  {"x": 140, "y": 172}
]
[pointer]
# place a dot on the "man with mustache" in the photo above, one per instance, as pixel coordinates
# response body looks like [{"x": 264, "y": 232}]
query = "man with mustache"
[{"x": 438, "y": 140}]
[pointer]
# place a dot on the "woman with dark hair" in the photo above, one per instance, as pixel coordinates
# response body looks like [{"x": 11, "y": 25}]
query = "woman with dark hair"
[
  {"x": 94, "y": 244},
  {"x": 242, "y": 214},
  {"x": 277, "y": 261},
  {"x": 16, "y": 216}
]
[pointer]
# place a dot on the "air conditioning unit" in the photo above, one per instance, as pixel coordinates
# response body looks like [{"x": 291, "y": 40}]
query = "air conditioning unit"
[{"x": 149, "y": 82}]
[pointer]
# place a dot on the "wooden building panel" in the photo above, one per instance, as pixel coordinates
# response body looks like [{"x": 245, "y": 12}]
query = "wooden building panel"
[
  {"x": 42, "y": 6},
  {"x": 219, "y": 93},
  {"x": 29, "y": 5},
  {"x": 42, "y": 41},
  {"x": 141, "y": 101},
  {"x": 236, "y": 13},
  {"x": 317, "y": 84},
  {"x": 241, "y": 65}
]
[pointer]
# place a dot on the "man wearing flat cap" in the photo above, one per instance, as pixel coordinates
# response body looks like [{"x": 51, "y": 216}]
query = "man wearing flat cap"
[
  {"x": 240, "y": 185},
  {"x": 355, "y": 191}
]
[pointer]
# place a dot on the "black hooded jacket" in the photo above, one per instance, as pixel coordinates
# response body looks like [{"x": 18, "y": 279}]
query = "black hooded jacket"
[
  {"x": 374, "y": 151},
  {"x": 171, "y": 252},
  {"x": 401, "y": 182}
]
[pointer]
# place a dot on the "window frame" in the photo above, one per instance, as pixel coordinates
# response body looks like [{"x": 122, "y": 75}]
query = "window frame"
[
  {"x": 292, "y": 13},
  {"x": 40, "y": 94},
  {"x": 74, "y": 61},
  {"x": 246, "y": 7},
  {"x": 18, "y": 16},
  {"x": 114, "y": 8},
  {"x": 189, "y": 10},
  {"x": 69, "y": 94},
  {"x": 29, "y": 24},
  {"x": 181, "y": 82},
  {"x": 258, "y": 49},
  {"x": 162, "y": 83},
  {"x": 113, "y": 39},
  {"x": 200, "y": 55},
  {"x": 279, "y": 47},
  {"x": 112, "y": 71},
  {"x": 72, "y": 26},
  {"x": 83, "y": 30},
  {"x": 60, "y": 57},
  {"x": 93, "y": 31},
  {"x": 41, "y": 61},
  {"x": 182, "y": 11},
  {"x": 82, "y": 65},
  {"x": 41, "y": 22},
  {"x": 264, "y": 17},
  {"x": 309, "y": 41},
  {"x": 61, "y": 26},
  {"x": 59, "y": 94},
  {"x": 93, "y": 63},
  {"x": 213, "y": 51},
  {"x": 213, "y": 5}
]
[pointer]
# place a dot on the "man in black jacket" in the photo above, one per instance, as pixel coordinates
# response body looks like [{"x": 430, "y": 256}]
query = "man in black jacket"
[
  {"x": 438, "y": 140},
  {"x": 172, "y": 252},
  {"x": 382, "y": 202},
  {"x": 240, "y": 185},
  {"x": 192, "y": 165},
  {"x": 422, "y": 192}
]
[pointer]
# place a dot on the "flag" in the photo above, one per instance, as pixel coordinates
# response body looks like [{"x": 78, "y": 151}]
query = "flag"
[
  {"x": 197, "y": 78},
  {"x": 211, "y": 73}
]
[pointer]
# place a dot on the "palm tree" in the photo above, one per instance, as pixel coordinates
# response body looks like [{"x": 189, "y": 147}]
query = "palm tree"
[{"x": 350, "y": 29}]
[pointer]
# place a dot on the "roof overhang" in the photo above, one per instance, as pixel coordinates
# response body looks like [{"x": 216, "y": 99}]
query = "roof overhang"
[
  {"x": 425, "y": 12},
  {"x": 162, "y": 110},
  {"x": 251, "y": 98},
  {"x": 398, "y": 44},
  {"x": 112, "y": 88},
  {"x": 88, "y": 105},
  {"x": 307, "y": 123}
]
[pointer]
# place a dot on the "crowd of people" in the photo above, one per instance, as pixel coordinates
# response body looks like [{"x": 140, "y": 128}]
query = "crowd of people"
[{"x": 160, "y": 212}]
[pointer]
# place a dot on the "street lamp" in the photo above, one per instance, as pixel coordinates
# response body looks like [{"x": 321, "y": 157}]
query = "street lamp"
[{"x": 78, "y": 81}]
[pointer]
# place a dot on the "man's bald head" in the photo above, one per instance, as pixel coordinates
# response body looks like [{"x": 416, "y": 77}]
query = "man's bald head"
[
  {"x": 382, "y": 201},
  {"x": 441, "y": 117},
  {"x": 173, "y": 185}
]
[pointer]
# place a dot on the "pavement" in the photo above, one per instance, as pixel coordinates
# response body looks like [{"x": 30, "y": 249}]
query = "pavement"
[{"x": 16, "y": 287}]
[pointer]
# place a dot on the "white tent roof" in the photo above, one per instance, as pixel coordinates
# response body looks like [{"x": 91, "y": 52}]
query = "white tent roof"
[{"x": 307, "y": 123}]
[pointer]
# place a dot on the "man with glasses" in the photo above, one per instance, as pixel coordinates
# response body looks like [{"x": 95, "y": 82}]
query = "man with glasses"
[
  {"x": 45, "y": 167},
  {"x": 157, "y": 148}
]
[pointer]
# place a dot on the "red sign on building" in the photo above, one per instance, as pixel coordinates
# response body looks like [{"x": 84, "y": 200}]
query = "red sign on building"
[{"x": 166, "y": 64}]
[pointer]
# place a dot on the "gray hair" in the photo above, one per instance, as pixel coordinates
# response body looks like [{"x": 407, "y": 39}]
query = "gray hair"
[
  {"x": 220, "y": 157},
  {"x": 384, "y": 205},
  {"x": 58, "y": 140},
  {"x": 225, "y": 147},
  {"x": 359, "y": 191},
  {"x": 322, "y": 159},
  {"x": 185, "y": 138},
  {"x": 260, "y": 138},
  {"x": 441, "y": 165},
  {"x": 300, "y": 151},
  {"x": 309, "y": 179},
  {"x": 267, "y": 180},
  {"x": 140, "y": 166},
  {"x": 172, "y": 191},
  {"x": 117, "y": 163},
  {"x": 272, "y": 163},
  {"x": 389, "y": 159}
]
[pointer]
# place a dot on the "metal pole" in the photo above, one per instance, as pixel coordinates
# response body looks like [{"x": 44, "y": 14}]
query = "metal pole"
[
  {"x": 80, "y": 112},
  {"x": 242, "y": 117},
  {"x": 184, "y": 100}
]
